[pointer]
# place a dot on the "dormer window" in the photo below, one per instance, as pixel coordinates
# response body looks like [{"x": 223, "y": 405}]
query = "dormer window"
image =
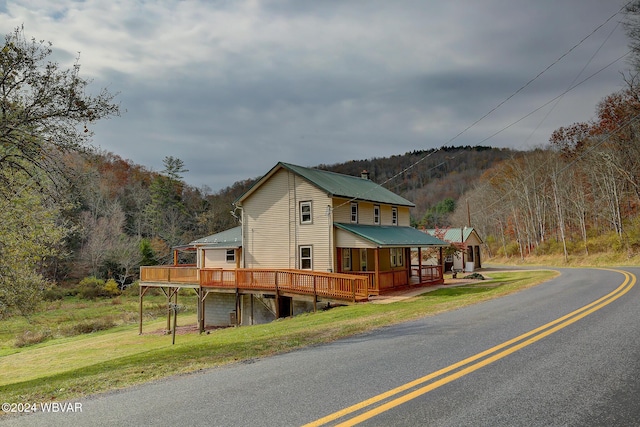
[{"x": 354, "y": 213}]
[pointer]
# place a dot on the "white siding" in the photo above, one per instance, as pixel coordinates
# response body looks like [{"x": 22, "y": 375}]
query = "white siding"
[
  {"x": 345, "y": 239},
  {"x": 272, "y": 229},
  {"x": 342, "y": 213},
  {"x": 216, "y": 258}
]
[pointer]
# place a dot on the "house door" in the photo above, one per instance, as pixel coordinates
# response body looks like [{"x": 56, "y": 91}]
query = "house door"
[{"x": 285, "y": 306}]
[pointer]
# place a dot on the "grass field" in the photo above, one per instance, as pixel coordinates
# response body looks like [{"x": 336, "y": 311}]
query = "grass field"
[{"x": 70, "y": 362}]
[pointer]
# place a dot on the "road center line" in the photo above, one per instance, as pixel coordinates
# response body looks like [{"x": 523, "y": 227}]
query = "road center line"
[{"x": 497, "y": 352}]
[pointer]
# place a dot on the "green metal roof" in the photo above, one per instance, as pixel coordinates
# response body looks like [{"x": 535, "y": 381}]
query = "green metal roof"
[
  {"x": 454, "y": 235},
  {"x": 392, "y": 236},
  {"x": 339, "y": 185},
  {"x": 231, "y": 238}
]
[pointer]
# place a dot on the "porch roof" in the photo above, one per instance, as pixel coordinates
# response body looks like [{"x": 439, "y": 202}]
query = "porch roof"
[{"x": 392, "y": 236}]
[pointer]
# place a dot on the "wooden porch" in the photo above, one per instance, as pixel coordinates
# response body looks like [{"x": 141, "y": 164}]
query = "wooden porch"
[{"x": 381, "y": 282}]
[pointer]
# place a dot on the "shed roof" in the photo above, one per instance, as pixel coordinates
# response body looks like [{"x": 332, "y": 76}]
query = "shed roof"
[
  {"x": 454, "y": 235},
  {"x": 231, "y": 238},
  {"x": 392, "y": 236},
  {"x": 337, "y": 185}
]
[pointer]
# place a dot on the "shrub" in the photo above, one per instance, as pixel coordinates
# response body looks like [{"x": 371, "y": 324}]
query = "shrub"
[
  {"x": 111, "y": 287},
  {"x": 91, "y": 281},
  {"x": 54, "y": 293},
  {"x": 132, "y": 289},
  {"x": 92, "y": 288},
  {"x": 89, "y": 326},
  {"x": 30, "y": 338}
]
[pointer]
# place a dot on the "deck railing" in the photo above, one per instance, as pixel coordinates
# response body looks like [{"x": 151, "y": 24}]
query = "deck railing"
[
  {"x": 170, "y": 274},
  {"x": 389, "y": 280},
  {"x": 429, "y": 273},
  {"x": 330, "y": 285}
]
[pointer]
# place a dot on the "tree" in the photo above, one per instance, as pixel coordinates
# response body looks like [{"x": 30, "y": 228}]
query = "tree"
[
  {"x": 30, "y": 236},
  {"x": 166, "y": 213},
  {"x": 43, "y": 108},
  {"x": 44, "y": 113}
]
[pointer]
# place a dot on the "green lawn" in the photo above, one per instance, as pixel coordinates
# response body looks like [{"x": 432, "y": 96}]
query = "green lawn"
[{"x": 66, "y": 366}]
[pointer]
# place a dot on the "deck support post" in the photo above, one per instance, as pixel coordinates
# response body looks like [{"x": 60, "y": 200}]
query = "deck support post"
[
  {"x": 277, "y": 296},
  {"x": 200, "y": 310},
  {"x": 315, "y": 296},
  {"x": 238, "y": 308}
]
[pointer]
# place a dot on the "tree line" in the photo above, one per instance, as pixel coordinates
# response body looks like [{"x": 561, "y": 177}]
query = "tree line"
[{"x": 578, "y": 195}]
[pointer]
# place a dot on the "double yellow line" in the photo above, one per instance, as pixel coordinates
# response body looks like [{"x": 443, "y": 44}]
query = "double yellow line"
[{"x": 468, "y": 365}]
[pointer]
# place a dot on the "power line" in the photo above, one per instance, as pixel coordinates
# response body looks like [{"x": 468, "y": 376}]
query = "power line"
[{"x": 528, "y": 83}]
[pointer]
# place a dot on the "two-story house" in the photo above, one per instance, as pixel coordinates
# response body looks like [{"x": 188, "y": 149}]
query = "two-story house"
[{"x": 304, "y": 229}]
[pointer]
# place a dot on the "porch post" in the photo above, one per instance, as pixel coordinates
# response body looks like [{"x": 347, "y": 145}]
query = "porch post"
[
  {"x": 376, "y": 261},
  {"x": 407, "y": 263},
  {"x": 420, "y": 264}
]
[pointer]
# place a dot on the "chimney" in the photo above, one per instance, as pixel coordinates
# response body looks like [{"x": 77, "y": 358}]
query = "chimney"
[{"x": 364, "y": 174}]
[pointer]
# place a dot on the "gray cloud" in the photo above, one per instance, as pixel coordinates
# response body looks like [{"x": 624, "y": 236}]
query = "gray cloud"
[{"x": 233, "y": 87}]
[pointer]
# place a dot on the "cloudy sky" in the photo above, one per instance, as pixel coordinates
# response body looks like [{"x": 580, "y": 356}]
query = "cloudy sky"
[{"x": 231, "y": 87}]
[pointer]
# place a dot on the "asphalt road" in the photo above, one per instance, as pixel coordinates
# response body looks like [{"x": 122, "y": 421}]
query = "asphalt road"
[{"x": 558, "y": 354}]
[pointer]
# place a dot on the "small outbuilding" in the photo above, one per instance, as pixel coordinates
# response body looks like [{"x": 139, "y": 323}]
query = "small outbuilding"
[{"x": 468, "y": 240}]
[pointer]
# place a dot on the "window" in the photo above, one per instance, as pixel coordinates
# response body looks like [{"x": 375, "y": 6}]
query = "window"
[
  {"x": 363, "y": 260},
  {"x": 306, "y": 258},
  {"x": 231, "y": 255},
  {"x": 354, "y": 213},
  {"x": 346, "y": 259},
  {"x": 394, "y": 216},
  {"x": 396, "y": 255},
  {"x": 376, "y": 214},
  {"x": 305, "y": 213}
]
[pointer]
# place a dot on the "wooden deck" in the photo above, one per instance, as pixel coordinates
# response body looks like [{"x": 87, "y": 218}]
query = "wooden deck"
[
  {"x": 352, "y": 287},
  {"x": 338, "y": 287},
  {"x": 333, "y": 286}
]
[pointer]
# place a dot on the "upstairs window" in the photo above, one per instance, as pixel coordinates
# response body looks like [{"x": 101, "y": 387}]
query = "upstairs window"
[
  {"x": 305, "y": 213},
  {"x": 231, "y": 255},
  {"x": 376, "y": 214},
  {"x": 354, "y": 213},
  {"x": 394, "y": 216}
]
